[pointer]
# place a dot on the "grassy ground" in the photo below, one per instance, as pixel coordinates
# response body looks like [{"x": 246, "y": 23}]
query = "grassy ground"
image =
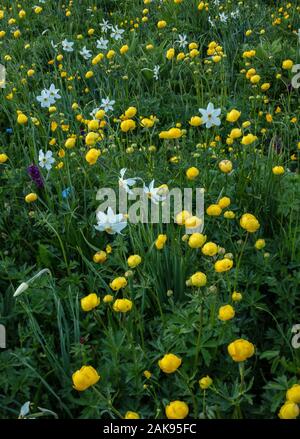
[{"x": 160, "y": 62}]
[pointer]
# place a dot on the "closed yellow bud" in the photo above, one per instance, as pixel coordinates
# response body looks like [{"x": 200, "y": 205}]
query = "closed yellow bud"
[
  {"x": 89, "y": 302},
  {"x": 226, "y": 312},
  {"x": 233, "y": 116},
  {"x": 169, "y": 363},
  {"x": 177, "y": 410},
  {"x": 192, "y": 173},
  {"x": 240, "y": 350},
  {"x": 205, "y": 382},
  {"x": 84, "y": 378},
  {"x": 122, "y": 305},
  {"x": 30, "y": 198}
]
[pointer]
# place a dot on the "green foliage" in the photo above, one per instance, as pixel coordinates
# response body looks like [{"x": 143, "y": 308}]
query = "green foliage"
[{"x": 49, "y": 336}]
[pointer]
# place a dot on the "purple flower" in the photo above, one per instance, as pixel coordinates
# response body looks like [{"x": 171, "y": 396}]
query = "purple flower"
[{"x": 35, "y": 175}]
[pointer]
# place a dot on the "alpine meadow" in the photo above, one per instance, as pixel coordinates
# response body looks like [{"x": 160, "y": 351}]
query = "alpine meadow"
[{"x": 149, "y": 209}]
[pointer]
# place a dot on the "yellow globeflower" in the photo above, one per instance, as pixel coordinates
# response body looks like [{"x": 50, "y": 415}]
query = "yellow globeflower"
[
  {"x": 198, "y": 279},
  {"x": 131, "y": 415},
  {"x": 122, "y": 305},
  {"x": 195, "y": 121},
  {"x": 110, "y": 54},
  {"x": 160, "y": 241},
  {"x": 89, "y": 302},
  {"x": 289, "y": 410},
  {"x": 214, "y": 210},
  {"x": 100, "y": 257},
  {"x": 128, "y": 125},
  {"x": 236, "y": 296},
  {"x": 170, "y": 54},
  {"x": 30, "y": 198},
  {"x": 70, "y": 142},
  {"x": 108, "y": 298},
  {"x": 3, "y": 158},
  {"x": 265, "y": 86},
  {"x": 223, "y": 265},
  {"x": 225, "y": 166},
  {"x": 226, "y": 312},
  {"x": 177, "y": 410},
  {"x": 84, "y": 378},
  {"x": 229, "y": 214},
  {"x": 91, "y": 138},
  {"x": 22, "y": 119},
  {"x": 240, "y": 350},
  {"x": 248, "y": 139},
  {"x": 147, "y": 374},
  {"x": 118, "y": 283},
  {"x": 205, "y": 382},
  {"x": 92, "y": 156},
  {"x": 181, "y": 217},
  {"x": 235, "y": 133},
  {"x": 210, "y": 249},
  {"x": 293, "y": 394},
  {"x": 287, "y": 64},
  {"x": 172, "y": 133},
  {"x": 278, "y": 170},
  {"x": 134, "y": 260},
  {"x": 124, "y": 49},
  {"x": 224, "y": 202},
  {"x": 249, "y": 223},
  {"x": 161, "y": 24},
  {"x": 193, "y": 222},
  {"x": 196, "y": 240},
  {"x": 255, "y": 79},
  {"x": 233, "y": 115},
  {"x": 192, "y": 173},
  {"x": 169, "y": 363},
  {"x": 260, "y": 243}
]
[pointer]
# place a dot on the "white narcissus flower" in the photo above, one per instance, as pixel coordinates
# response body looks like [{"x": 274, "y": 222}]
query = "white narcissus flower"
[
  {"x": 210, "y": 116},
  {"x": 154, "y": 193},
  {"x": 46, "y": 160},
  {"x": 85, "y": 53},
  {"x": 110, "y": 222},
  {"x": 107, "y": 104},
  {"x": 105, "y": 26},
  {"x": 182, "y": 40},
  {"x": 67, "y": 45},
  {"x": 126, "y": 184},
  {"x": 45, "y": 99},
  {"x": 223, "y": 17},
  {"x": 102, "y": 44},
  {"x": 48, "y": 97},
  {"x": 54, "y": 92},
  {"x": 116, "y": 33}
]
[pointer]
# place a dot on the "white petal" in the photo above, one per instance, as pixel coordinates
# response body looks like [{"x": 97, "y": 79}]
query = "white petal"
[
  {"x": 100, "y": 227},
  {"x": 217, "y": 112},
  {"x": 110, "y": 215},
  {"x": 118, "y": 227},
  {"x": 210, "y": 107},
  {"x": 101, "y": 217},
  {"x": 130, "y": 181}
]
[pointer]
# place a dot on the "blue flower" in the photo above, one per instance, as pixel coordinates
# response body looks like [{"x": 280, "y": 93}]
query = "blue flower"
[{"x": 66, "y": 192}]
